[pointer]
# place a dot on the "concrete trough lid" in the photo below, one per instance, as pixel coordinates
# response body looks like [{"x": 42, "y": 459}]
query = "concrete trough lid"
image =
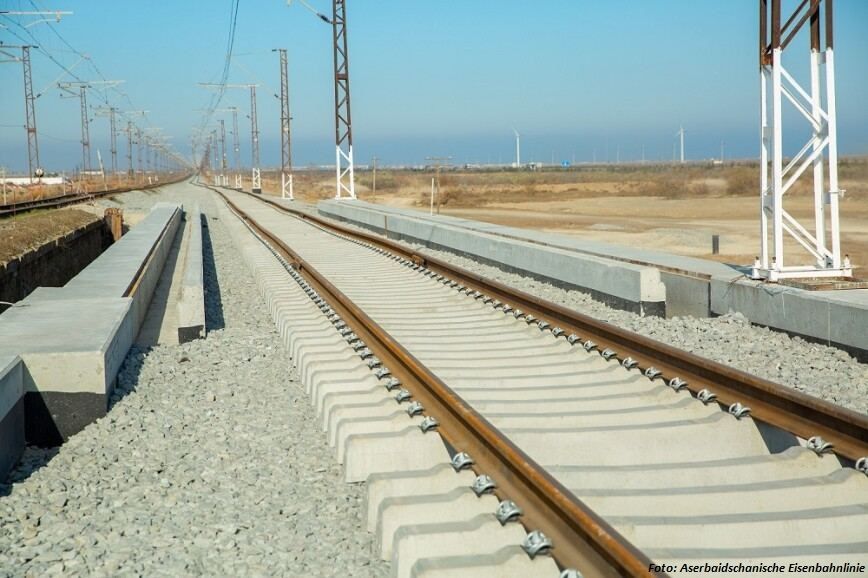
[
  {"x": 112, "y": 272},
  {"x": 191, "y": 304}
]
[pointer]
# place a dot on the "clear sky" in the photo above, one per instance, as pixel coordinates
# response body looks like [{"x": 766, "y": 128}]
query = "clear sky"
[{"x": 578, "y": 78}]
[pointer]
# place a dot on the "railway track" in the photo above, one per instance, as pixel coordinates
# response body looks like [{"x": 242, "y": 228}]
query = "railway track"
[
  {"x": 629, "y": 456},
  {"x": 12, "y": 209}
]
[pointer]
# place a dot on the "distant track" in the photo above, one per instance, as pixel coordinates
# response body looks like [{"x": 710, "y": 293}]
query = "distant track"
[
  {"x": 57, "y": 202},
  {"x": 588, "y": 427}
]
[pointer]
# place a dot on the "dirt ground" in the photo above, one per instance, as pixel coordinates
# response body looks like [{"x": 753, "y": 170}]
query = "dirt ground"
[
  {"x": 22, "y": 233},
  {"x": 670, "y": 208}
]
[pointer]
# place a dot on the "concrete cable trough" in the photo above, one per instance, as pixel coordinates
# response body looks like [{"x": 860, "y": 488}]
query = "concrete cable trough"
[{"x": 658, "y": 469}]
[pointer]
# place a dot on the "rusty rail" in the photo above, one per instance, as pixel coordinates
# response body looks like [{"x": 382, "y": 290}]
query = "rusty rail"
[
  {"x": 792, "y": 411},
  {"x": 581, "y": 538}
]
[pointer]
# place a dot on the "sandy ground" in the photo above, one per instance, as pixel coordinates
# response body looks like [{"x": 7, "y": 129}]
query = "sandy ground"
[
  {"x": 665, "y": 207},
  {"x": 681, "y": 226}
]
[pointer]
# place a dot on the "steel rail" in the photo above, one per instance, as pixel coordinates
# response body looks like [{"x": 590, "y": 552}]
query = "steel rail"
[
  {"x": 785, "y": 408},
  {"x": 12, "y": 209},
  {"x": 581, "y": 538}
]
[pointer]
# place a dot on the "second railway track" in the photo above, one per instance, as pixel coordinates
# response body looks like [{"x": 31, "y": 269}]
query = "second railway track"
[{"x": 626, "y": 451}]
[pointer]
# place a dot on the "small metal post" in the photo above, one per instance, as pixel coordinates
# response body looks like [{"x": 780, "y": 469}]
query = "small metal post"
[
  {"x": 438, "y": 163},
  {"x": 715, "y": 244}
]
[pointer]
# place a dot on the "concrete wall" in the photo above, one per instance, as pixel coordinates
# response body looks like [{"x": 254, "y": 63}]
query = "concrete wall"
[
  {"x": 839, "y": 319},
  {"x": 54, "y": 263}
]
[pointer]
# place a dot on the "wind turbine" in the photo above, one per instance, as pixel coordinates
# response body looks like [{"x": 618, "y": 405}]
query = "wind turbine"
[
  {"x": 680, "y": 133},
  {"x": 517, "y": 149}
]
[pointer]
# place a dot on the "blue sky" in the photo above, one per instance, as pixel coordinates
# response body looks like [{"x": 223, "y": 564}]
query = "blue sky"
[{"x": 577, "y": 78}]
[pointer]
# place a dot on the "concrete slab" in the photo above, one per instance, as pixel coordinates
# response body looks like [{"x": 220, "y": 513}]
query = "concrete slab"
[
  {"x": 402, "y": 451},
  {"x": 479, "y": 536},
  {"x": 112, "y": 274},
  {"x": 457, "y": 505},
  {"x": 395, "y": 422},
  {"x": 794, "y": 463},
  {"x": 508, "y": 562},
  {"x": 70, "y": 364},
  {"x": 191, "y": 304},
  {"x": 11, "y": 413},
  {"x": 441, "y": 478}
]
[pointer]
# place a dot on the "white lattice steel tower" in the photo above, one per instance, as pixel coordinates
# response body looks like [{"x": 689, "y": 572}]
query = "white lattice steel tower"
[{"x": 818, "y": 157}]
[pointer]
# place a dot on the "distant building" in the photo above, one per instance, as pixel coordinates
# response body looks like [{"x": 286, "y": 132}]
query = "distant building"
[{"x": 25, "y": 181}]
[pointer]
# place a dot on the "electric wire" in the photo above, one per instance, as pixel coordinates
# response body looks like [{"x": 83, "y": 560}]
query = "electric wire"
[
  {"x": 98, "y": 92},
  {"x": 217, "y": 97}
]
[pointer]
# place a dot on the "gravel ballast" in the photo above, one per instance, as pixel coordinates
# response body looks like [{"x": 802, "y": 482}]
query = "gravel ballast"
[{"x": 210, "y": 462}]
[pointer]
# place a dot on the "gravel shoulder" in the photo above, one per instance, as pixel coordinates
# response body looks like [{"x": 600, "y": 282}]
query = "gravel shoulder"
[
  {"x": 818, "y": 370},
  {"x": 210, "y": 461}
]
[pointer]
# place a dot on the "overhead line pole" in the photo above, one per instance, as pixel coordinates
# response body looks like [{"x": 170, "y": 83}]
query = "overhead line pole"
[
  {"x": 85, "y": 129},
  {"x": 85, "y": 120},
  {"x": 256, "y": 186},
  {"x": 129, "y": 132},
  {"x": 236, "y": 148},
  {"x": 33, "y": 166},
  {"x": 223, "y": 151},
  {"x": 344, "y": 169},
  {"x": 110, "y": 112},
  {"x": 286, "y": 187},
  {"x": 345, "y": 182}
]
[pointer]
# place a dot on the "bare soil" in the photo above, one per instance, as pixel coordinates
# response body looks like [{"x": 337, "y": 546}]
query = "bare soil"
[{"x": 28, "y": 231}]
